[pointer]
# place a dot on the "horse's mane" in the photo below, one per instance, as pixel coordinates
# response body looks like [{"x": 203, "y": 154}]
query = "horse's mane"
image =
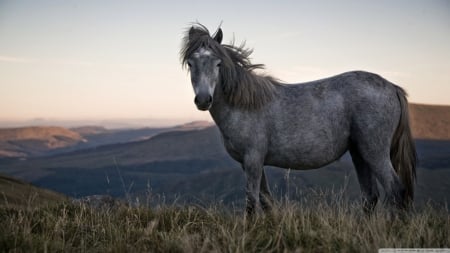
[{"x": 241, "y": 86}]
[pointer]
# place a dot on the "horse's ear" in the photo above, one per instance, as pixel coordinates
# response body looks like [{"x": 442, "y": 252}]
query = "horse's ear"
[{"x": 218, "y": 36}]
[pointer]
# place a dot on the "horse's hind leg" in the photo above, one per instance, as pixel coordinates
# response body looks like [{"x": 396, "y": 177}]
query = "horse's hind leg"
[
  {"x": 265, "y": 196},
  {"x": 367, "y": 181},
  {"x": 392, "y": 185},
  {"x": 378, "y": 161}
]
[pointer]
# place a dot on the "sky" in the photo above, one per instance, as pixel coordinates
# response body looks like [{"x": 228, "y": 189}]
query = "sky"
[{"x": 92, "y": 60}]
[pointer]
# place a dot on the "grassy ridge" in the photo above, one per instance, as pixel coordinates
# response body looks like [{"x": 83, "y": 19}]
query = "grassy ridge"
[
  {"x": 18, "y": 194},
  {"x": 315, "y": 225}
]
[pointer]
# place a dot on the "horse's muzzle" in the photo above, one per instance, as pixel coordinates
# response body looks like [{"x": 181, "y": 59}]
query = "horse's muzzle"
[{"x": 203, "y": 102}]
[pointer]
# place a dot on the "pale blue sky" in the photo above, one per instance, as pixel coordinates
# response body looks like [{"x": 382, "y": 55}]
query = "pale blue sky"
[{"x": 119, "y": 59}]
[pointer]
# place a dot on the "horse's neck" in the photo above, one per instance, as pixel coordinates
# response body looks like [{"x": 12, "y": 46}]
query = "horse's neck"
[{"x": 219, "y": 110}]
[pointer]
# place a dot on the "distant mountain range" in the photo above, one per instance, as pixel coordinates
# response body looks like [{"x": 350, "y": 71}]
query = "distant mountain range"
[
  {"x": 428, "y": 122},
  {"x": 39, "y": 141},
  {"x": 189, "y": 163}
]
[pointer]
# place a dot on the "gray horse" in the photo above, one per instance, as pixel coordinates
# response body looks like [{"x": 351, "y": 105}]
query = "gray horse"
[{"x": 303, "y": 126}]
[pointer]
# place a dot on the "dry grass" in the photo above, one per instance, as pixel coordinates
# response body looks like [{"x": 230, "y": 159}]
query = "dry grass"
[{"x": 314, "y": 225}]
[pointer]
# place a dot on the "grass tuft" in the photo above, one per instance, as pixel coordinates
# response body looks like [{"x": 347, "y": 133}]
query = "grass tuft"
[{"x": 315, "y": 225}]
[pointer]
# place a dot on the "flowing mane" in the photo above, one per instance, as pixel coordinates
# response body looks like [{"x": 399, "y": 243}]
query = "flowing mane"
[{"x": 242, "y": 87}]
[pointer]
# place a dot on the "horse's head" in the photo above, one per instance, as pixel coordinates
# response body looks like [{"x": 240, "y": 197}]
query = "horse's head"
[{"x": 204, "y": 68}]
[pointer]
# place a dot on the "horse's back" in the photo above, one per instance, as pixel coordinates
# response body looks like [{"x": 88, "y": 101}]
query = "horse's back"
[{"x": 353, "y": 95}]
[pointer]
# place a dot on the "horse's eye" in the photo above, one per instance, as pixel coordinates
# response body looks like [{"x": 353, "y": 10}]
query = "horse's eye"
[
  {"x": 219, "y": 64},
  {"x": 189, "y": 64}
]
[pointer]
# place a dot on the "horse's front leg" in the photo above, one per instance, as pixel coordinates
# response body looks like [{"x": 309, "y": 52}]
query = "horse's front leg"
[{"x": 253, "y": 168}]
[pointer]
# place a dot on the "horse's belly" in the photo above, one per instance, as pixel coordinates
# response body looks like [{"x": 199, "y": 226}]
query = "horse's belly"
[
  {"x": 306, "y": 155},
  {"x": 305, "y": 161}
]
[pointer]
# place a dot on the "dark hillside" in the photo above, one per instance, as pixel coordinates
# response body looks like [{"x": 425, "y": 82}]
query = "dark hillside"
[{"x": 16, "y": 193}]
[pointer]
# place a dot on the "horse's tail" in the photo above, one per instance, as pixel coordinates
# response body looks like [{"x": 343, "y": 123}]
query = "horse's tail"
[{"x": 403, "y": 150}]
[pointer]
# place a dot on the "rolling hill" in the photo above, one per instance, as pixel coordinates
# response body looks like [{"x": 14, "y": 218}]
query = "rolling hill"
[
  {"x": 34, "y": 141},
  {"x": 430, "y": 121}
]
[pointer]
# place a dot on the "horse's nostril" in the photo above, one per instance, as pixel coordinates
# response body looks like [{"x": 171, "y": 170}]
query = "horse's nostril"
[{"x": 203, "y": 99}]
